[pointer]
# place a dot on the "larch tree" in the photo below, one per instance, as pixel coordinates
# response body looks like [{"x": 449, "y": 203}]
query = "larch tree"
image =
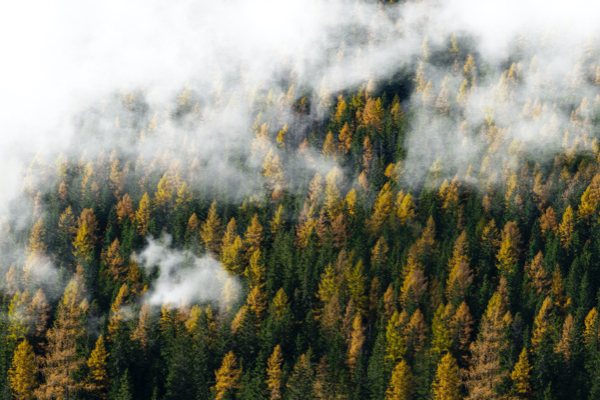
[
  {"x": 254, "y": 237},
  {"x": 446, "y": 385},
  {"x": 62, "y": 360},
  {"x": 520, "y": 376},
  {"x": 486, "y": 371},
  {"x": 210, "y": 231},
  {"x": 383, "y": 208},
  {"x": 274, "y": 373},
  {"x": 227, "y": 376},
  {"x": 357, "y": 340},
  {"x": 125, "y": 209},
  {"x": 97, "y": 364},
  {"x": 22, "y": 372},
  {"x": 566, "y": 228},
  {"x": 401, "y": 384},
  {"x": 142, "y": 215}
]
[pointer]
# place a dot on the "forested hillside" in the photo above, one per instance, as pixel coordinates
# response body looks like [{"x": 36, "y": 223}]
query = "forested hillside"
[{"x": 432, "y": 232}]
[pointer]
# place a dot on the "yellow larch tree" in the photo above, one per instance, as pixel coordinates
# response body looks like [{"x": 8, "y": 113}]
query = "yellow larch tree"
[
  {"x": 142, "y": 215},
  {"x": 280, "y": 303},
  {"x": 114, "y": 262},
  {"x": 254, "y": 237},
  {"x": 117, "y": 314},
  {"x": 273, "y": 172},
  {"x": 164, "y": 192},
  {"x": 485, "y": 371},
  {"x": 537, "y": 274},
  {"x": 333, "y": 203},
  {"x": 227, "y": 377},
  {"x": 117, "y": 175},
  {"x": 567, "y": 340},
  {"x": 345, "y": 138},
  {"x": 274, "y": 373},
  {"x": 542, "y": 323},
  {"x": 506, "y": 256},
  {"x": 588, "y": 204},
  {"x": 62, "y": 360},
  {"x": 441, "y": 335},
  {"x": 405, "y": 207},
  {"x": 210, "y": 231},
  {"x": 38, "y": 313},
  {"x": 97, "y": 365},
  {"x": 330, "y": 147},
  {"x": 142, "y": 329},
  {"x": 357, "y": 339},
  {"x": 548, "y": 222},
  {"x": 394, "y": 347},
  {"x": 257, "y": 303},
  {"x": 415, "y": 333},
  {"x": 367, "y": 154},
  {"x": 520, "y": 376},
  {"x": 21, "y": 374},
  {"x": 277, "y": 222},
  {"x": 125, "y": 209},
  {"x": 383, "y": 208},
  {"x": 401, "y": 383},
  {"x": 83, "y": 243},
  {"x": 256, "y": 272},
  {"x": 447, "y": 380},
  {"x": 566, "y": 228}
]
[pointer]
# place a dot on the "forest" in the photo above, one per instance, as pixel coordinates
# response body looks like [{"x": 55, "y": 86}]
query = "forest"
[{"x": 428, "y": 233}]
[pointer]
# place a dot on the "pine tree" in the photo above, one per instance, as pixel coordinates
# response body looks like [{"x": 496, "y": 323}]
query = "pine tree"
[
  {"x": 447, "y": 381},
  {"x": 22, "y": 372}
]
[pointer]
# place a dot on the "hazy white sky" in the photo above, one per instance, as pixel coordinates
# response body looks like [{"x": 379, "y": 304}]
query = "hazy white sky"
[{"x": 59, "y": 55}]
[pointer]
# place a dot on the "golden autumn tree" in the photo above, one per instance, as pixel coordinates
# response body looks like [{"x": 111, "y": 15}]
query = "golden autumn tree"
[
  {"x": 395, "y": 347},
  {"x": 357, "y": 340},
  {"x": 117, "y": 314},
  {"x": 567, "y": 340},
  {"x": 345, "y": 138},
  {"x": 274, "y": 373},
  {"x": 486, "y": 371},
  {"x": 210, "y": 231},
  {"x": 254, "y": 237},
  {"x": 542, "y": 323},
  {"x": 383, "y": 208},
  {"x": 566, "y": 228},
  {"x": 125, "y": 209},
  {"x": 520, "y": 376},
  {"x": 447, "y": 380},
  {"x": 97, "y": 365},
  {"x": 401, "y": 383},
  {"x": 21, "y": 374},
  {"x": 405, "y": 207},
  {"x": 142, "y": 215},
  {"x": 164, "y": 192},
  {"x": 548, "y": 222},
  {"x": 62, "y": 361},
  {"x": 227, "y": 376}
]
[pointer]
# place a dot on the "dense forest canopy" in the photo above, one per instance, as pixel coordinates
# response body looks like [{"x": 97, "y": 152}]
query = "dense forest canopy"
[{"x": 391, "y": 207}]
